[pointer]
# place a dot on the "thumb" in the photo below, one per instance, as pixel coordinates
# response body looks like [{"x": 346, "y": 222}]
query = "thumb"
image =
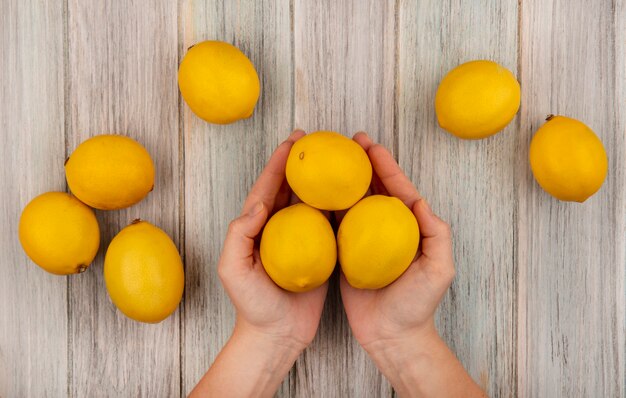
[
  {"x": 436, "y": 235},
  {"x": 239, "y": 242}
]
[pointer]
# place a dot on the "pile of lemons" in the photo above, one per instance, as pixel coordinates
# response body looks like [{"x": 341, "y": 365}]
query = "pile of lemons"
[
  {"x": 376, "y": 240},
  {"x": 378, "y": 236},
  {"x": 143, "y": 270}
]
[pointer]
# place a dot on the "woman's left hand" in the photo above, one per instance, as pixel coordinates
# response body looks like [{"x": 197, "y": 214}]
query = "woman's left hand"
[
  {"x": 273, "y": 326},
  {"x": 286, "y": 317}
]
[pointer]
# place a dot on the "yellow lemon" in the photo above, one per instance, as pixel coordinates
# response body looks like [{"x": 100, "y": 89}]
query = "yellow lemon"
[
  {"x": 328, "y": 171},
  {"x": 144, "y": 273},
  {"x": 110, "y": 172},
  {"x": 298, "y": 248},
  {"x": 567, "y": 159},
  {"x": 477, "y": 99},
  {"x": 59, "y": 233},
  {"x": 218, "y": 82},
  {"x": 377, "y": 241}
]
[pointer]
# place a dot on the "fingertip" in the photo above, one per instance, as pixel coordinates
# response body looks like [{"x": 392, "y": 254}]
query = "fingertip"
[
  {"x": 424, "y": 216},
  {"x": 423, "y": 207},
  {"x": 293, "y": 137},
  {"x": 429, "y": 224},
  {"x": 296, "y": 135},
  {"x": 377, "y": 150},
  {"x": 363, "y": 139},
  {"x": 286, "y": 145}
]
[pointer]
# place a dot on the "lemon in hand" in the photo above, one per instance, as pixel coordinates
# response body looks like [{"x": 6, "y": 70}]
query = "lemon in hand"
[
  {"x": 567, "y": 159},
  {"x": 298, "y": 248},
  {"x": 477, "y": 99},
  {"x": 218, "y": 82},
  {"x": 144, "y": 273},
  {"x": 328, "y": 171},
  {"x": 110, "y": 172},
  {"x": 59, "y": 233},
  {"x": 377, "y": 241}
]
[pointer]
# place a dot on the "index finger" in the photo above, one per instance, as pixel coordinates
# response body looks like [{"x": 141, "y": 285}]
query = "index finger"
[
  {"x": 388, "y": 170},
  {"x": 268, "y": 184}
]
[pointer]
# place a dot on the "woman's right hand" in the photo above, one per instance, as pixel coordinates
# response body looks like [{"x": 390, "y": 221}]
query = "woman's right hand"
[{"x": 395, "y": 324}]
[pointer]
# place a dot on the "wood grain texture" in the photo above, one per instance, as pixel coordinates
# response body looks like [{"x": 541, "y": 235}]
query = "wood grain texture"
[
  {"x": 539, "y": 302},
  {"x": 470, "y": 184},
  {"x": 571, "y": 256},
  {"x": 33, "y": 303},
  {"x": 122, "y": 64},
  {"x": 222, "y": 162},
  {"x": 344, "y": 81}
]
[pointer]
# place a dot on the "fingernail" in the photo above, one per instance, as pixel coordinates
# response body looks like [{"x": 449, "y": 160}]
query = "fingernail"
[
  {"x": 256, "y": 209},
  {"x": 293, "y": 133}
]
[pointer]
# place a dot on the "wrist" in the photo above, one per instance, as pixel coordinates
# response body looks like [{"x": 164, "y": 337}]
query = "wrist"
[
  {"x": 406, "y": 360},
  {"x": 267, "y": 344},
  {"x": 414, "y": 341},
  {"x": 251, "y": 363}
]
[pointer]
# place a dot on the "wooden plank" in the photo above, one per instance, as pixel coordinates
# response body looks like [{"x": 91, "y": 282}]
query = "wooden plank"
[
  {"x": 122, "y": 61},
  {"x": 33, "y": 303},
  {"x": 571, "y": 256},
  {"x": 344, "y": 81},
  {"x": 470, "y": 184},
  {"x": 222, "y": 162}
]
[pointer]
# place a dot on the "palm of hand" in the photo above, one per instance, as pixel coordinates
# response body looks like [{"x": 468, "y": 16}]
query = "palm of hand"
[
  {"x": 404, "y": 307},
  {"x": 407, "y": 305},
  {"x": 274, "y": 310}
]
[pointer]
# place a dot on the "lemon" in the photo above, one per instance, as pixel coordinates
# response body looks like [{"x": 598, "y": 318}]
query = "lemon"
[
  {"x": 110, "y": 172},
  {"x": 59, "y": 233},
  {"x": 477, "y": 99},
  {"x": 328, "y": 171},
  {"x": 218, "y": 82},
  {"x": 377, "y": 241},
  {"x": 144, "y": 273},
  {"x": 298, "y": 248},
  {"x": 567, "y": 159}
]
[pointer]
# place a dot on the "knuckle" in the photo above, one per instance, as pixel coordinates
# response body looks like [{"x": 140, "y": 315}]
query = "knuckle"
[
  {"x": 446, "y": 276},
  {"x": 446, "y": 230},
  {"x": 233, "y": 226},
  {"x": 221, "y": 271},
  {"x": 450, "y": 274}
]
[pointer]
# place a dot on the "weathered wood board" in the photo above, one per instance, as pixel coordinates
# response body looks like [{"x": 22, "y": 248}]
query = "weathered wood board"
[{"x": 539, "y": 302}]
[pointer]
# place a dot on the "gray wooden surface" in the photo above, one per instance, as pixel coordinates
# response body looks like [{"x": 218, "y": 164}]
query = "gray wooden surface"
[{"x": 539, "y": 302}]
